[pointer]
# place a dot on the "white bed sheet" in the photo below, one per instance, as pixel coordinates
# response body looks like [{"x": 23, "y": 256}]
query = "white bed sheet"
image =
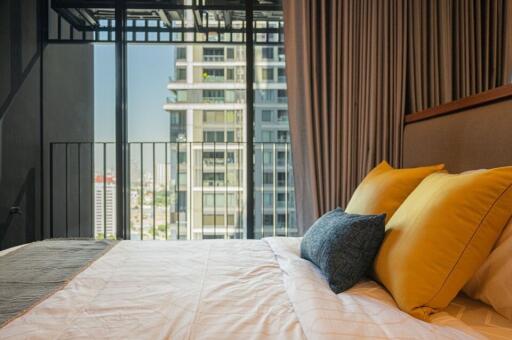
[{"x": 219, "y": 290}]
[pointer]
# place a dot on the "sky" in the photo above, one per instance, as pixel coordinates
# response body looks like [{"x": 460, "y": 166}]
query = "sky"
[{"x": 148, "y": 68}]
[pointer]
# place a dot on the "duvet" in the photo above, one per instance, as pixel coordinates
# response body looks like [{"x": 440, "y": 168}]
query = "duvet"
[{"x": 258, "y": 289}]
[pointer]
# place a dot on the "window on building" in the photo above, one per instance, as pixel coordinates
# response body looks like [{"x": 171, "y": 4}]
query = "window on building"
[
  {"x": 282, "y": 96},
  {"x": 230, "y": 136},
  {"x": 265, "y": 96},
  {"x": 281, "y": 158},
  {"x": 182, "y": 179},
  {"x": 281, "y": 75},
  {"x": 268, "y": 178},
  {"x": 282, "y": 136},
  {"x": 213, "y": 74},
  {"x": 211, "y": 157},
  {"x": 181, "y": 199},
  {"x": 182, "y": 157},
  {"x": 213, "y": 95},
  {"x": 291, "y": 200},
  {"x": 208, "y": 200},
  {"x": 213, "y": 53},
  {"x": 212, "y": 220},
  {"x": 266, "y": 136},
  {"x": 230, "y": 53},
  {"x": 280, "y": 53},
  {"x": 181, "y": 53},
  {"x": 181, "y": 73},
  {"x": 281, "y": 220},
  {"x": 213, "y": 179},
  {"x": 230, "y": 96},
  {"x": 267, "y": 53},
  {"x": 266, "y": 115},
  {"x": 268, "y": 199},
  {"x": 268, "y": 220},
  {"x": 213, "y": 116},
  {"x": 178, "y": 117},
  {"x": 230, "y": 74},
  {"x": 230, "y": 116},
  {"x": 282, "y": 115},
  {"x": 281, "y": 200},
  {"x": 230, "y": 157},
  {"x": 281, "y": 179},
  {"x": 214, "y": 200},
  {"x": 267, "y": 74},
  {"x": 234, "y": 178},
  {"x": 267, "y": 157},
  {"x": 213, "y": 136},
  {"x": 181, "y": 96}
]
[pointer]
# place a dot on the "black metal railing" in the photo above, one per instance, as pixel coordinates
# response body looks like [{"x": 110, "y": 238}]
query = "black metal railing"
[{"x": 178, "y": 190}]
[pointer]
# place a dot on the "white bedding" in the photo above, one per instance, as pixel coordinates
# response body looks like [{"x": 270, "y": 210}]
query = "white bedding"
[{"x": 218, "y": 290}]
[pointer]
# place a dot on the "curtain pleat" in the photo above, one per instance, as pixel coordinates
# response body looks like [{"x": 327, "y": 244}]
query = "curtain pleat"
[
  {"x": 346, "y": 75},
  {"x": 507, "y": 43},
  {"x": 355, "y": 67},
  {"x": 456, "y": 48}
]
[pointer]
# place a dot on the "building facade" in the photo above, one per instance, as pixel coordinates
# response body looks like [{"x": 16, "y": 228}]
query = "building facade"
[{"x": 208, "y": 122}]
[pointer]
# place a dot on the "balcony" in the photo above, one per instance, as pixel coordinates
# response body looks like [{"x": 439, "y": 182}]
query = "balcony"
[
  {"x": 213, "y": 58},
  {"x": 207, "y": 97},
  {"x": 216, "y": 79},
  {"x": 174, "y": 188}
]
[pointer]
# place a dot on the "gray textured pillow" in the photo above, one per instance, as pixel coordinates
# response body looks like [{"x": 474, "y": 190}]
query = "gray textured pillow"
[{"x": 343, "y": 246}]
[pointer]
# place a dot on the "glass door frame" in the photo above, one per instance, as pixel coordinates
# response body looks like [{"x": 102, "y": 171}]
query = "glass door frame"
[{"x": 121, "y": 123}]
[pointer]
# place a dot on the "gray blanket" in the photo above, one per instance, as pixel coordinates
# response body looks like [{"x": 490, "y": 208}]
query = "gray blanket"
[{"x": 35, "y": 271}]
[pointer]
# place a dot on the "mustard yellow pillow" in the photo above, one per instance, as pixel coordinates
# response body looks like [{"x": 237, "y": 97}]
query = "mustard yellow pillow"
[
  {"x": 384, "y": 189},
  {"x": 440, "y": 236}
]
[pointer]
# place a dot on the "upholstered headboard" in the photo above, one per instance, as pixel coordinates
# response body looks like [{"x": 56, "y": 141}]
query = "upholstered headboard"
[{"x": 471, "y": 133}]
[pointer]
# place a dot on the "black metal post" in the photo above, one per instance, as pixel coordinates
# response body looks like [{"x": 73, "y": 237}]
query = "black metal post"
[
  {"x": 43, "y": 37},
  {"x": 67, "y": 190},
  {"x": 51, "y": 190},
  {"x": 121, "y": 125},
  {"x": 249, "y": 122}
]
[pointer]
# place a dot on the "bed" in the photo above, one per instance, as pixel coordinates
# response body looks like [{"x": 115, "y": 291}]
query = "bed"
[
  {"x": 227, "y": 289},
  {"x": 256, "y": 289}
]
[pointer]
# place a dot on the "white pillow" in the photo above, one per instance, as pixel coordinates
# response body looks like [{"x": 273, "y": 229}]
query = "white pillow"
[{"x": 492, "y": 283}]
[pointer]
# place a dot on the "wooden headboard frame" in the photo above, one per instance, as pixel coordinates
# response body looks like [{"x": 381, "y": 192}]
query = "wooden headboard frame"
[
  {"x": 471, "y": 133},
  {"x": 484, "y": 98}
]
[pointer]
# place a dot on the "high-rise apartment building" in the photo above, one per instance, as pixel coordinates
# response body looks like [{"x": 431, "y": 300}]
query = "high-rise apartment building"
[
  {"x": 208, "y": 121},
  {"x": 104, "y": 206}
]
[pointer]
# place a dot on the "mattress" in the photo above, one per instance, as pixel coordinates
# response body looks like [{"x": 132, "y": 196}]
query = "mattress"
[{"x": 254, "y": 289}]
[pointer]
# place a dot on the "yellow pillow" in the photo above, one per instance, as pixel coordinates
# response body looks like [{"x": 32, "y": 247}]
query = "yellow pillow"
[
  {"x": 385, "y": 188},
  {"x": 440, "y": 236},
  {"x": 492, "y": 282}
]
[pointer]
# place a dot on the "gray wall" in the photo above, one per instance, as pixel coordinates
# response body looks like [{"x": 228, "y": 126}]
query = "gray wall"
[
  {"x": 19, "y": 123},
  {"x": 68, "y": 110},
  {"x": 69, "y": 117}
]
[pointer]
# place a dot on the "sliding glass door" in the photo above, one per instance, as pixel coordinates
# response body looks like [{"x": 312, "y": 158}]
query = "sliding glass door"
[{"x": 193, "y": 143}]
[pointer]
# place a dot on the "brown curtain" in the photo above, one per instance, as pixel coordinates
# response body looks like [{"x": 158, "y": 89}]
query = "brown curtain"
[
  {"x": 346, "y": 87},
  {"x": 429, "y": 66},
  {"x": 507, "y": 69},
  {"x": 456, "y": 48}
]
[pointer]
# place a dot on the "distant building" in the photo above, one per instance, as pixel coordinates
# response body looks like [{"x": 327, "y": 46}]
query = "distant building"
[
  {"x": 208, "y": 110},
  {"x": 105, "y": 207}
]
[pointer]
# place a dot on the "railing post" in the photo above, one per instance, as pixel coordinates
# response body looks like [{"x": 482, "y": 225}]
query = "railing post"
[
  {"x": 166, "y": 192},
  {"x": 51, "y": 190},
  {"x": 104, "y": 190},
  {"x": 66, "y": 188},
  {"x": 121, "y": 123},
  {"x": 79, "y": 187},
  {"x": 154, "y": 192},
  {"x": 249, "y": 123}
]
